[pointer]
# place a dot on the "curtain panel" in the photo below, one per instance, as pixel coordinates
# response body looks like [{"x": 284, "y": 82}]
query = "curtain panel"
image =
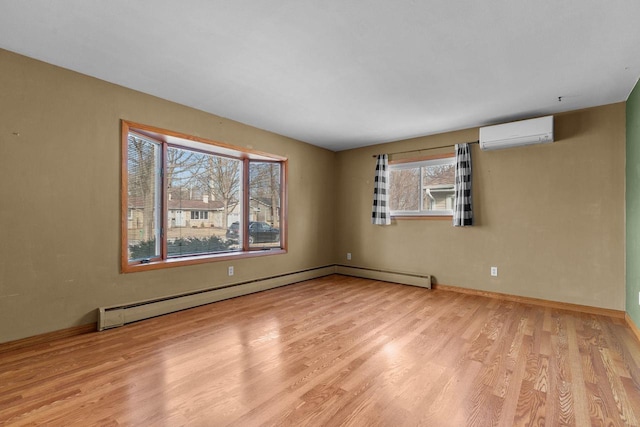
[
  {"x": 380, "y": 213},
  {"x": 462, "y": 207}
]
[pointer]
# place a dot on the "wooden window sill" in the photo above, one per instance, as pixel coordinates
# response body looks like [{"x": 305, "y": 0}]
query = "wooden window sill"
[
  {"x": 427, "y": 217},
  {"x": 200, "y": 259}
]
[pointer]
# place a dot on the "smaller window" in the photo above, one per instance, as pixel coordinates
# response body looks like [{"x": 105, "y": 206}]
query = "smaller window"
[
  {"x": 422, "y": 187},
  {"x": 199, "y": 214}
]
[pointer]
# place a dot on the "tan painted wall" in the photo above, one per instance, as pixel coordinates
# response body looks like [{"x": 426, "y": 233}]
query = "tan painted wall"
[
  {"x": 59, "y": 198},
  {"x": 550, "y": 217}
]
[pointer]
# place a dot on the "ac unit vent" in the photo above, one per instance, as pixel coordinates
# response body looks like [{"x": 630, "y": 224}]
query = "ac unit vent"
[{"x": 517, "y": 134}]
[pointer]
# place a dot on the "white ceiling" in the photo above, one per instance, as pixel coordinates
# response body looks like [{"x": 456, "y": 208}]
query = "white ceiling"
[{"x": 345, "y": 73}]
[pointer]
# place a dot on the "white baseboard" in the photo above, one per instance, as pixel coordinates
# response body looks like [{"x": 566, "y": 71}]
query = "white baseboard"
[
  {"x": 119, "y": 315},
  {"x": 413, "y": 279}
]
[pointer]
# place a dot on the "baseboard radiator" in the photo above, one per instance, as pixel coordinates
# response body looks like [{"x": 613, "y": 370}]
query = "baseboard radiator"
[
  {"x": 119, "y": 315},
  {"x": 413, "y": 279}
]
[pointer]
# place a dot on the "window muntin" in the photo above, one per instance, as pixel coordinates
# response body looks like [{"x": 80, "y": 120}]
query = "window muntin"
[
  {"x": 422, "y": 188},
  {"x": 189, "y": 200}
]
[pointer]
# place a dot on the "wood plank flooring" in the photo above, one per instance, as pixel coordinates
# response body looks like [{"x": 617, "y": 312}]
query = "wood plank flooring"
[{"x": 335, "y": 351}]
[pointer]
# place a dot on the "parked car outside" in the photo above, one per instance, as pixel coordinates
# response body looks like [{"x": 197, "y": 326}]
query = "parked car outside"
[{"x": 259, "y": 232}]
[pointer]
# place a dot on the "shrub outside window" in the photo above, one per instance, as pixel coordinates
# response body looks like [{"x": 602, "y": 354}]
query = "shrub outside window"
[
  {"x": 187, "y": 200},
  {"x": 423, "y": 187}
]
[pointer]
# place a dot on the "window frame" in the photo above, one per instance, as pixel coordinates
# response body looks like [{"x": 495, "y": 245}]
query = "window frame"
[
  {"x": 416, "y": 162},
  {"x": 167, "y": 139}
]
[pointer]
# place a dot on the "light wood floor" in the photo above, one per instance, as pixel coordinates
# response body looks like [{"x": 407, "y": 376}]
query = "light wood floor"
[{"x": 335, "y": 351}]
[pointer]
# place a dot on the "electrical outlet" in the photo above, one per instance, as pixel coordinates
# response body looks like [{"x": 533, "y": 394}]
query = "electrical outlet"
[
  {"x": 231, "y": 270},
  {"x": 494, "y": 271},
  {"x": 348, "y": 256}
]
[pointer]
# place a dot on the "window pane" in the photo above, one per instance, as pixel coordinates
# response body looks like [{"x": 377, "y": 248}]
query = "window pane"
[
  {"x": 203, "y": 191},
  {"x": 264, "y": 204},
  {"x": 143, "y": 198},
  {"x": 438, "y": 187},
  {"x": 423, "y": 187},
  {"x": 404, "y": 189}
]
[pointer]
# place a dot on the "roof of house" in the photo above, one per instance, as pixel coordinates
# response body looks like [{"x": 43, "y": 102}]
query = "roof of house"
[
  {"x": 266, "y": 201},
  {"x": 173, "y": 204},
  {"x": 212, "y": 205}
]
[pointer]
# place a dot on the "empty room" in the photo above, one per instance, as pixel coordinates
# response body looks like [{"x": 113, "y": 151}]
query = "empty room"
[{"x": 382, "y": 213}]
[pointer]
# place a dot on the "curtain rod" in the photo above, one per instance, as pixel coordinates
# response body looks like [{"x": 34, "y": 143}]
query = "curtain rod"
[{"x": 425, "y": 149}]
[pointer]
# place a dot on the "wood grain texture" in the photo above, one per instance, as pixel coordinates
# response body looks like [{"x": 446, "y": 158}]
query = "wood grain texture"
[
  {"x": 535, "y": 301},
  {"x": 47, "y": 337},
  {"x": 632, "y": 325},
  {"x": 335, "y": 351}
]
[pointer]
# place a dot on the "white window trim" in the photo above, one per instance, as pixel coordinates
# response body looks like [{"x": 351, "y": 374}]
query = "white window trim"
[{"x": 445, "y": 160}]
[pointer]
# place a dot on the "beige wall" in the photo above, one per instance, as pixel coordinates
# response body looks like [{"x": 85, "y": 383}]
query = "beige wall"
[
  {"x": 550, "y": 217},
  {"x": 59, "y": 198}
]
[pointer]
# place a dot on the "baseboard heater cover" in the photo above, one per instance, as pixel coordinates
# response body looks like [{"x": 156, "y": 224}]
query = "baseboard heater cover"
[
  {"x": 119, "y": 315},
  {"x": 413, "y": 279}
]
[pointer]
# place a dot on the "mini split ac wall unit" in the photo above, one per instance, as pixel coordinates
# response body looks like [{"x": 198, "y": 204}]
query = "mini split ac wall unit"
[{"x": 517, "y": 134}]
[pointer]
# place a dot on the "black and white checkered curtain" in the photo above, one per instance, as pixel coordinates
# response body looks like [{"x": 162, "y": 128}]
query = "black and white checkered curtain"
[
  {"x": 380, "y": 214},
  {"x": 462, "y": 209}
]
